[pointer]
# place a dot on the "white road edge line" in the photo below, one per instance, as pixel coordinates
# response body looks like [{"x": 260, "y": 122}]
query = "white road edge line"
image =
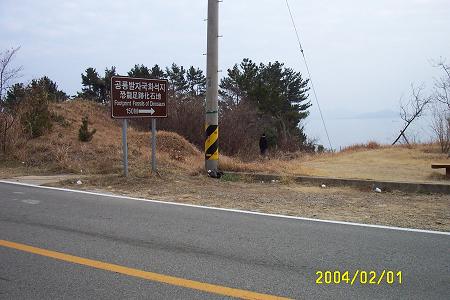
[{"x": 229, "y": 209}]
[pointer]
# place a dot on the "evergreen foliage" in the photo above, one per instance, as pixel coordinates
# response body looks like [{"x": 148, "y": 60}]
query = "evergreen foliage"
[
  {"x": 84, "y": 134},
  {"x": 254, "y": 98},
  {"x": 14, "y": 95},
  {"x": 140, "y": 71},
  {"x": 93, "y": 86},
  {"x": 176, "y": 75},
  {"x": 17, "y": 92},
  {"x": 278, "y": 93},
  {"x": 196, "y": 82},
  {"x": 36, "y": 117},
  {"x": 107, "y": 79},
  {"x": 32, "y": 102},
  {"x": 182, "y": 82},
  {"x": 157, "y": 73},
  {"x": 51, "y": 88}
]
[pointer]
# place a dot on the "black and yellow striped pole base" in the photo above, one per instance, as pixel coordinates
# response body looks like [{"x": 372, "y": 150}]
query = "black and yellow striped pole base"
[{"x": 212, "y": 143}]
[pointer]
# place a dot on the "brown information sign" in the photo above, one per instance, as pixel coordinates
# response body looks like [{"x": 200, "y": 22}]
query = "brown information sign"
[{"x": 138, "y": 98}]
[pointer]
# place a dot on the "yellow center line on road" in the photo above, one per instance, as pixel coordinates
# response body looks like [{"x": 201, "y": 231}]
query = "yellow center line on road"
[{"x": 176, "y": 281}]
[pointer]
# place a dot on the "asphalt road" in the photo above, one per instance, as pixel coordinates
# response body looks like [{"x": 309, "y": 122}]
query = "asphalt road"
[{"x": 263, "y": 254}]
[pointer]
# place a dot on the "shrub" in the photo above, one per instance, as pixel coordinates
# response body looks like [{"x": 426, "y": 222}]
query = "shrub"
[
  {"x": 371, "y": 145},
  {"x": 59, "y": 119},
  {"x": 30, "y": 104},
  {"x": 84, "y": 134},
  {"x": 36, "y": 117}
]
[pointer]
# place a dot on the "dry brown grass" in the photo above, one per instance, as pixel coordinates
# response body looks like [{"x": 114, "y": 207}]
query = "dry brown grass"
[
  {"x": 360, "y": 147},
  {"x": 60, "y": 151},
  {"x": 363, "y": 161},
  {"x": 387, "y": 163}
]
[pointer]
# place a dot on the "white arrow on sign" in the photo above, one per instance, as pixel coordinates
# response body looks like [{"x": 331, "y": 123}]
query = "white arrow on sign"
[{"x": 147, "y": 111}]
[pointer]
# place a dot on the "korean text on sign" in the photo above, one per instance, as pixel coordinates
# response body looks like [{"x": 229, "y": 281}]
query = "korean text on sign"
[{"x": 125, "y": 85}]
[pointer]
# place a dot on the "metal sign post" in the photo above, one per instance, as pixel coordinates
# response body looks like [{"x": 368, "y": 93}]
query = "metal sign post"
[
  {"x": 153, "y": 145},
  {"x": 125, "y": 147}
]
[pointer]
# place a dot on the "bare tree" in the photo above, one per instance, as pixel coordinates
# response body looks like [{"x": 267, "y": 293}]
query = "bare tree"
[
  {"x": 7, "y": 73},
  {"x": 441, "y": 126},
  {"x": 7, "y": 121},
  {"x": 442, "y": 85},
  {"x": 441, "y": 108},
  {"x": 412, "y": 109},
  {"x": 7, "y": 76}
]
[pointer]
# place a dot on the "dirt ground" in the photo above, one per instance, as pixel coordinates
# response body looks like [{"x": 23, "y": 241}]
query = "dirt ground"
[{"x": 424, "y": 211}]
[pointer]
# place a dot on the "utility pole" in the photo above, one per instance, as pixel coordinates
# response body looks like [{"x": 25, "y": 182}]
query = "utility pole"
[{"x": 212, "y": 89}]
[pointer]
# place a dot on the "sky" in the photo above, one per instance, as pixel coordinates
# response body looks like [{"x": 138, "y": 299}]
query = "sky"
[{"x": 363, "y": 55}]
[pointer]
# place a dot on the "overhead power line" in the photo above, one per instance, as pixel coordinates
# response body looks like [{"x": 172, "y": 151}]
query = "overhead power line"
[{"x": 309, "y": 73}]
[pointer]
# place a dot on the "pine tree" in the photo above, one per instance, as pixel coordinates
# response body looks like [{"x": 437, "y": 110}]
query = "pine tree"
[
  {"x": 51, "y": 88},
  {"x": 36, "y": 118},
  {"x": 177, "y": 79},
  {"x": 84, "y": 134},
  {"x": 15, "y": 95},
  {"x": 33, "y": 101},
  {"x": 196, "y": 81},
  {"x": 107, "y": 79},
  {"x": 140, "y": 71},
  {"x": 157, "y": 73},
  {"x": 278, "y": 93},
  {"x": 93, "y": 86}
]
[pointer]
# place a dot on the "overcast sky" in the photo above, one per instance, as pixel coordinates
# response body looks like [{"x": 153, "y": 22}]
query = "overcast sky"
[{"x": 363, "y": 55}]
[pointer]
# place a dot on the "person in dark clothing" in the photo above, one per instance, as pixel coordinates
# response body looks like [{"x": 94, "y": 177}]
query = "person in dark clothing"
[{"x": 263, "y": 144}]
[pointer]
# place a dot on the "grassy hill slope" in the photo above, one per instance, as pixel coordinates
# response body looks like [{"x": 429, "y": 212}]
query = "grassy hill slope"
[{"x": 60, "y": 151}]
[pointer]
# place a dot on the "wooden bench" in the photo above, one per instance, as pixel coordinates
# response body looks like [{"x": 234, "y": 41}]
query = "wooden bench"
[{"x": 445, "y": 166}]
